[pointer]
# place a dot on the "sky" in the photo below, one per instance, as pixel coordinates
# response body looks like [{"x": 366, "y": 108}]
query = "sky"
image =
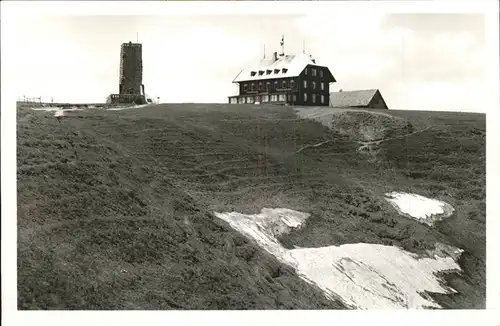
[{"x": 418, "y": 61}]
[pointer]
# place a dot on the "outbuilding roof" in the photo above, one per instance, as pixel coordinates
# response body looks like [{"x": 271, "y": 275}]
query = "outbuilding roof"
[
  {"x": 289, "y": 65},
  {"x": 352, "y": 98}
]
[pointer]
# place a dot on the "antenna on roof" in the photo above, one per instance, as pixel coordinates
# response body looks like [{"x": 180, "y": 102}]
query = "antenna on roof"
[
  {"x": 304, "y": 46},
  {"x": 264, "y": 51},
  {"x": 137, "y": 37},
  {"x": 282, "y": 43}
]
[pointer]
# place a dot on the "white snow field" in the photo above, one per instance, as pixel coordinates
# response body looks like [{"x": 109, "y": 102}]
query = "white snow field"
[
  {"x": 363, "y": 276},
  {"x": 424, "y": 210}
]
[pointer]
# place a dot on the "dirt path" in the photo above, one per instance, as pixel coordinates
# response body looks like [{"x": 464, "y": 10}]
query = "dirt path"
[
  {"x": 312, "y": 146},
  {"x": 365, "y": 144}
]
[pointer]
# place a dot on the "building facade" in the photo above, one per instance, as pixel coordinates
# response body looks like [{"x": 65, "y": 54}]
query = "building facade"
[
  {"x": 131, "y": 88},
  {"x": 285, "y": 79}
]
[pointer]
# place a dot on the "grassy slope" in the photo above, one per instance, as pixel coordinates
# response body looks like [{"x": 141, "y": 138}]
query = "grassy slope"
[
  {"x": 114, "y": 207},
  {"x": 102, "y": 224}
]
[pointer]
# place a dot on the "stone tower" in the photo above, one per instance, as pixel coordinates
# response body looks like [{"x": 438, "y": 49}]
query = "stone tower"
[
  {"x": 131, "y": 88},
  {"x": 130, "y": 68}
]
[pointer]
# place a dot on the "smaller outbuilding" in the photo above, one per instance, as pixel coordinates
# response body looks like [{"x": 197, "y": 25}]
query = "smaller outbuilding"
[{"x": 368, "y": 99}]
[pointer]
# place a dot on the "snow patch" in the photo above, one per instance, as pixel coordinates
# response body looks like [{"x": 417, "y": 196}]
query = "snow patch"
[
  {"x": 48, "y": 109},
  {"x": 424, "y": 210},
  {"x": 120, "y": 108},
  {"x": 372, "y": 276},
  {"x": 58, "y": 111},
  {"x": 266, "y": 226},
  {"x": 363, "y": 276}
]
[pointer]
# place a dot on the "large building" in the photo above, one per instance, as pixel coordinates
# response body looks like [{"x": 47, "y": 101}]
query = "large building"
[
  {"x": 366, "y": 98},
  {"x": 131, "y": 88},
  {"x": 285, "y": 79}
]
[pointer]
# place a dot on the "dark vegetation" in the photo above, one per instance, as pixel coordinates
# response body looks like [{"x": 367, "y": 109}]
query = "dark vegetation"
[{"x": 115, "y": 208}]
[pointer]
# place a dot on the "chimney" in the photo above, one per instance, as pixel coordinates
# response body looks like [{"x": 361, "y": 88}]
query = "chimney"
[
  {"x": 275, "y": 56},
  {"x": 340, "y": 90}
]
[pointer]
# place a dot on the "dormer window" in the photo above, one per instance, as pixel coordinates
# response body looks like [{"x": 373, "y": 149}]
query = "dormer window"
[
  {"x": 261, "y": 72},
  {"x": 284, "y": 70},
  {"x": 276, "y": 71},
  {"x": 252, "y": 73},
  {"x": 268, "y": 71}
]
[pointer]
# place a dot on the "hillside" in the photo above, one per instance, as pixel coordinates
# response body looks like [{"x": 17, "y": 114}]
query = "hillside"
[{"x": 115, "y": 208}]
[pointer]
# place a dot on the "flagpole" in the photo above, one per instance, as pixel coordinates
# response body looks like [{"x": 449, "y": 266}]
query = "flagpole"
[{"x": 283, "y": 45}]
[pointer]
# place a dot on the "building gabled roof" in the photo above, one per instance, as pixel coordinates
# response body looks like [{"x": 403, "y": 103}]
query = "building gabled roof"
[
  {"x": 352, "y": 98},
  {"x": 289, "y": 65}
]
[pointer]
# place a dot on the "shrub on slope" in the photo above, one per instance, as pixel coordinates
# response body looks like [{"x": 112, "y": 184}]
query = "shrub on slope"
[
  {"x": 367, "y": 126},
  {"x": 362, "y": 125}
]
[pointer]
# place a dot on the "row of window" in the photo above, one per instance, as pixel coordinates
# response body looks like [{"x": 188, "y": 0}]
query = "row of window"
[
  {"x": 268, "y": 72},
  {"x": 313, "y": 84},
  {"x": 313, "y": 72},
  {"x": 264, "y": 98},
  {"x": 284, "y": 84},
  {"x": 315, "y": 98},
  {"x": 284, "y": 71},
  {"x": 291, "y": 98}
]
